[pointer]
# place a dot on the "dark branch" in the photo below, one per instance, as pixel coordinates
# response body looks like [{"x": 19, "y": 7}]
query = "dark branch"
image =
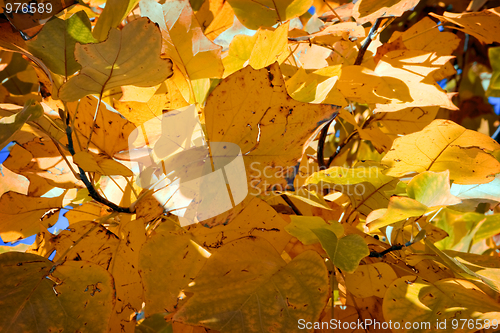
[
  {"x": 291, "y": 204},
  {"x": 83, "y": 177},
  {"x": 321, "y": 143},
  {"x": 367, "y": 41}
]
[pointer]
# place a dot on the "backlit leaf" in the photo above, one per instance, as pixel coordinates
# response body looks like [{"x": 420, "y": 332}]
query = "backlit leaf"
[
  {"x": 365, "y": 184},
  {"x": 256, "y": 218},
  {"x": 112, "y": 16},
  {"x": 444, "y": 145},
  {"x": 303, "y": 228},
  {"x": 432, "y": 189},
  {"x": 484, "y": 25},
  {"x": 252, "y": 109},
  {"x": 100, "y": 164},
  {"x": 21, "y": 215},
  {"x": 108, "y": 124},
  {"x": 489, "y": 191},
  {"x": 10, "y": 125},
  {"x": 411, "y": 299},
  {"x": 370, "y": 10},
  {"x": 399, "y": 209},
  {"x": 183, "y": 40},
  {"x": 345, "y": 252}
]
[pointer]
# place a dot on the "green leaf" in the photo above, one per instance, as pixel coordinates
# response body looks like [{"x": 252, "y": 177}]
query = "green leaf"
[
  {"x": 75, "y": 297},
  {"x": 489, "y": 228},
  {"x": 128, "y": 57},
  {"x": 399, "y": 209},
  {"x": 411, "y": 299},
  {"x": 346, "y": 252},
  {"x": 365, "y": 184},
  {"x": 266, "y": 13},
  {"x": 494, "y": 56},
  {"x": 55, "y": 44},
  {"x": 10, "y": 125},
  {"x": 112, "y": 16},
  {"x": 432, "y": 189},
  {"x": 303, "y": 228},
  {"x": 247, "y": 287}
]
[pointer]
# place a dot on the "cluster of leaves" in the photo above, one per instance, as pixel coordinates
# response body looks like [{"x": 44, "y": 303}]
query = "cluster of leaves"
[{"x": 365, "y": 199}]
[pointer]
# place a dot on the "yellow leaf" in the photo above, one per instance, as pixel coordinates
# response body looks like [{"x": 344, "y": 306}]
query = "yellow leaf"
[
  {"x": 252, "y": 109},
  {"x": 222, "y": 21},
  {"x": 444, "y": 145},
  {"x": 370, "y": 10},
  {"x": 10, "y": 125},
  {"x": 246, "y": 284},
  {"x": 316, "y": 87},
  {"x": 447, "y": 302},
  {"x": 366, "y": 185},
  {"x": 112, "y": 16},
  {"x": 414, "y": 68},
  {"x": 124, "y": 267},
  {"x": 269, "y": 46},
  {"x": 168, "y": 261},
  {"x": 334, "y": 33},
  {"x": 10, "y": 181},
  {"x": 260, "y": 50},
  {"x": 111, "y": 131},
  {"x": 432, "y": 189},
  {"x": 484, "y": 25},
  {"x": 399, "y": 209},
  {"x": 114, "y": 62},
  {"x": 425, "y": 35},
  {"x": 101, "y": 164},
  {"x": 257, "y": 218},
  {"x": 215, "y": 16},
  {"x": 183, "y": 39},
  {"x": 370, "y": 280},
  {"x": 21, "y": 215},
  {"x": 41, "y": 162},
  {"x": 240, "y": 50},
  {"x": 405, "y": 121}
]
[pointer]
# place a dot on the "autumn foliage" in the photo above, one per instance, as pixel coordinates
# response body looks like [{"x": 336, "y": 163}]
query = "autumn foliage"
[{"x": 372, "y": 167}]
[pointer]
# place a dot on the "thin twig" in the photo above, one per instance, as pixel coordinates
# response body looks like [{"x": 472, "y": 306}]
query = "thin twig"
[
  {"x": 367, "y": 41},
  {"x": 333, "y": 11},
  {"x": 321, "y": 144},
  {"x": 291, "y": 204},
  {"x": 277, "y": 12}
]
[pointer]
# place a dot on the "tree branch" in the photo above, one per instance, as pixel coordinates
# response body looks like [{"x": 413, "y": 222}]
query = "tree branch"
[
  {"x": 83, "y": 177},
  {"x": 367, "y": 41},
  {"x": 321, "y": 143}
]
